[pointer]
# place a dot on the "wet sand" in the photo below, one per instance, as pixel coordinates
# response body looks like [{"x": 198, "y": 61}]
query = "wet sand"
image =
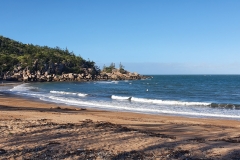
[
  {"x": 9, "y": 83},
  {"x": 39, "y": 130}
]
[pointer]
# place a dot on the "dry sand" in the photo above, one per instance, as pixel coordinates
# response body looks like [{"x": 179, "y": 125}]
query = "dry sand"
[{"x": 38, "y": 130}]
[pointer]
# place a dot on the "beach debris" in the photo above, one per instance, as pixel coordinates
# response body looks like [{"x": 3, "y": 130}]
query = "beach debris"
[
  {"x": 115, "y": 127},
  {"x": 119, "y": 128},
  {"x": 66, "y": 126},
  {"x": 80, "y": 149},
  {"x": 58, "y": 107},
  {"x": 71, "y": 141},
  {"x": 230, "y": 140},
  {"x": 87, "y": 121},
  {"x": 179, "y": 153},
  {"x": 152, "y": 134},
  {"x": 54, "y": 143},
  {"x": 2, "y": 151},
  {"x": 55, "y": 107},
  {"x": 133, "y": 155},
  {"x": 43, "y": 119},
  {"x": 125, "y": 129},
  {"x": 68, "y": 109},
  {"x": 199, "y": 140},
  {"x": 106, "y": 125},
  {"x": 235, "y": 155}
]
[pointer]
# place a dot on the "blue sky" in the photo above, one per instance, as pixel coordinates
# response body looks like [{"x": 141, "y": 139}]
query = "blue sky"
[{"x": 149, "y": 37}]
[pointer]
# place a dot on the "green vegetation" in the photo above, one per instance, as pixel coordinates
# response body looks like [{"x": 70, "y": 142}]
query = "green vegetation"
[
  {"x": 121, "y": 68},
  {"x": 109, "y": 68},
  {"x": 34, "y": 57},
  {"x": 112, "y": 66}
]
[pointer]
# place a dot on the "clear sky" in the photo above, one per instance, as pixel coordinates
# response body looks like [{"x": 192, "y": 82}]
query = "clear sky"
[{"x": 146, "y": 36}]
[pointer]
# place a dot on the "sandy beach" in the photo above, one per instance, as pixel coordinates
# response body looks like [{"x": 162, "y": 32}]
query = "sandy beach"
[{"x": 38, "y": 130}]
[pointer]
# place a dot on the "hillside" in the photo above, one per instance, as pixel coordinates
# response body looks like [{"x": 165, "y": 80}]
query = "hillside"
[
  {"x": 37, "y": 57},
  {"x": 28, "y": 62}
]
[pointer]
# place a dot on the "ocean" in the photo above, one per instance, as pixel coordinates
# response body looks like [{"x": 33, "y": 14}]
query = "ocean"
[{"x": 201, "y": 96}]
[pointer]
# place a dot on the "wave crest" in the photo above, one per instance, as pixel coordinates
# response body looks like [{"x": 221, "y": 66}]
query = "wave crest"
[
  {"x": 156, "y": 101},
  {"x": 69, "y": 93},
  {"x": 120, "y": 97},
  {"x": 24, "y": 87}
]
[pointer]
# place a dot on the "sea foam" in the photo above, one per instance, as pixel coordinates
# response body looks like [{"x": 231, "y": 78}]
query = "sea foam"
[
  {"x": 163, "y": 102},
  {"x": 23, "y": 87},
  {"x": 69, "y": 93},
  {"x": 150, "y": 110},
  {"x": 120, "y": 97}
]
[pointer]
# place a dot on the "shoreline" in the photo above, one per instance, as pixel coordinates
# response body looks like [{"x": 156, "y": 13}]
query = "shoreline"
[
  {"x": 217, "y": 117},
  {"x": 34, "y": 100},
  {"x": 9, "y": 83},
  {"x": 37, "y": 125}
]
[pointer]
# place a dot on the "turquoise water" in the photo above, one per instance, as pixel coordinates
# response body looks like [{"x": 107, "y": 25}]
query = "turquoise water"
[{"x": 192, "y": 96}]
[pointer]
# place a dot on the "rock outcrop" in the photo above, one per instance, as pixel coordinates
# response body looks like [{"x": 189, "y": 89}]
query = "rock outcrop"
[
  {"x": 51, "y": 73},
  {"x": 117, "y": 75},
  {"x": 28, "y": 62}
]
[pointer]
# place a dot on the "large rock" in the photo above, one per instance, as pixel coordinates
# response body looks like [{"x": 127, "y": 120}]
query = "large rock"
[
  {"x": 89, "y": 76},
  {"x": 38, "y": 72},
  {"x": 46, "y": 73},
  {"x": 135, "y": 74},
  {"x": 114, "y": 77},
  {"x": 71, "y": 76},
  {"x": 53, "y": 72},
  {"x": 80, "y": 76},
  {"x": 103, "y": 76},
  {"x": 28, "y": 72},
  {"x": 56, "y": 78},
  {"x": 17, "y": 76},
  {"x": 25, "y": 78},
  {"x": 19, "y": 68}
]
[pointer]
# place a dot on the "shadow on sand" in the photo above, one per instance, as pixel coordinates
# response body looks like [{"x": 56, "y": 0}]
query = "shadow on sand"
[{"x": 43, "y": 139}]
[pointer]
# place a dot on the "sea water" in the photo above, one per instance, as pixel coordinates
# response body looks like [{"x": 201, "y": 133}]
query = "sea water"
[{"x": 206, "y": 96}]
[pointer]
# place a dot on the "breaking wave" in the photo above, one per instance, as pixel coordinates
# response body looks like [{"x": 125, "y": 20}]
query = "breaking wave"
[
  {"x": 24, "y": 87},
  {"x": 69, "y": 93},
  {"x": 119, "y": 106},
  {"x": 163, "y": 102},
  {"x": 120, "y": 97}
]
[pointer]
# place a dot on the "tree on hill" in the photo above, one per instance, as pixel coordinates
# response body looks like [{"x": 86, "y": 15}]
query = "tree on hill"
[
  {"x": 34, "y": 57},
  {"x": 121, "y": 68},
  {"x": 112, "y": 66},
  {"x": 109, "y": 68}
]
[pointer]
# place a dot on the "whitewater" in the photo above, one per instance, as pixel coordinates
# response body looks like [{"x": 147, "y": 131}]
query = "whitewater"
[{"x": 191, "y": 96}]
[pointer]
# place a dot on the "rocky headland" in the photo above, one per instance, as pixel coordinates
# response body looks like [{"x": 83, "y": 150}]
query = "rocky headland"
[
  {"x": 25, "y": 75},
  {"x": 33, "y": 63}
]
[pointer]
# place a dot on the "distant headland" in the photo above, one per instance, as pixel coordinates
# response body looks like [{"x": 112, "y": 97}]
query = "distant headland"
[{"x": 34, "y": 63}]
